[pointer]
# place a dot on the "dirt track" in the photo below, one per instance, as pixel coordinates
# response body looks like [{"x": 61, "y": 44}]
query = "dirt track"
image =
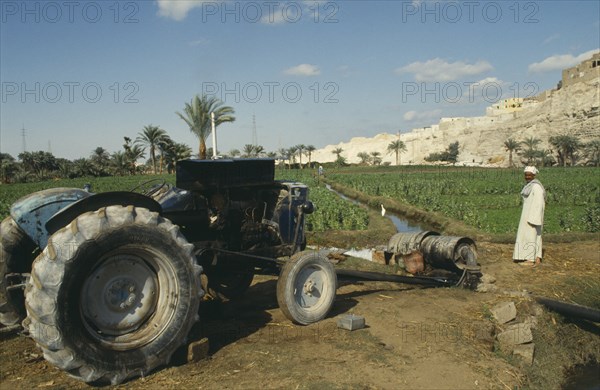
[{"x": 415, "y": 338}]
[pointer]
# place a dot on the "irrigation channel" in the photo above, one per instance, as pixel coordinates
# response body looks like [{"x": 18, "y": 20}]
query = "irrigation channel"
[
  {"x": 582, "y": 378},
  {"x": 402, "y": 225}
]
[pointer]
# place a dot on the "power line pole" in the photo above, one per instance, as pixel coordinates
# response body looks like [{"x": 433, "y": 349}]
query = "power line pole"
[
  {"x": 254, "y": 137},
  {"x": 24, "y": 144}
]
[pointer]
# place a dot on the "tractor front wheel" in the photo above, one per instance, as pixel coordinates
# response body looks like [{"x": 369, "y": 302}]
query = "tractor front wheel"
[{"x": 306, "y": 287}]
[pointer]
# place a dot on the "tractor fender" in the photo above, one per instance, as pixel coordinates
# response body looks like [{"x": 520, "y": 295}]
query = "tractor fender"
[
  {"x": 32, "y": 211},
  {"x": 97, "y": 201}
]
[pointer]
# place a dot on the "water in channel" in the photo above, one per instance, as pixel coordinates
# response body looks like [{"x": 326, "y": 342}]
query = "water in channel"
[{"x": 402, "y": 225}]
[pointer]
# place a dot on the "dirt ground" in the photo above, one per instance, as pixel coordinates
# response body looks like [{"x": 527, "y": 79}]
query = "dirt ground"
[{"x": 416, "y": 338}]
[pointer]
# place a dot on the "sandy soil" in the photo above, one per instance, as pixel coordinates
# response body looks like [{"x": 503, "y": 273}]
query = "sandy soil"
[{"x": 415, "y": 338}]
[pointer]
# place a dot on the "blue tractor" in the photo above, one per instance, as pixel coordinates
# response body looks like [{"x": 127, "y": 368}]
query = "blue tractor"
[{"x": 109, "y": 284}]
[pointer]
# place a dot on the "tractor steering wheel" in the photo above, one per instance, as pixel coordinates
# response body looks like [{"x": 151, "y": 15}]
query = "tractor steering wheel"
[{"x": 148, "y": 187}]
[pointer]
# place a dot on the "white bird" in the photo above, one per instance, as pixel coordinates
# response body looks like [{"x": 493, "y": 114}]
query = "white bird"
[{"x": 382, "y": 211}]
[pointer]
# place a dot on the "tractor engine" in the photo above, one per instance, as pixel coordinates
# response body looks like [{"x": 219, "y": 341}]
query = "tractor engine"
[{"x": 237, "y": 205}]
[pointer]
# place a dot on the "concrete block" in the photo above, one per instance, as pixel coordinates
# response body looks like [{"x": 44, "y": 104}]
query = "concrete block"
[
  {"x": 514, "y": 335},
  {"x": 351, "y": 322},
  {"x": 525, "y": 352},
  {"x": 504, "y": 312},
  {"x": 198, "y": 350}
]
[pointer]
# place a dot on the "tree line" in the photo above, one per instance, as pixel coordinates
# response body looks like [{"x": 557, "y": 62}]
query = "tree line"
[
  {"x": 163, "y": 152},
  {"x": 565, "y": 150},
  {"x": 152, "y": 143}
]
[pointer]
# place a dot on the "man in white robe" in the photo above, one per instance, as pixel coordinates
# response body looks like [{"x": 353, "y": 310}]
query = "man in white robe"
[{"x": 528, "y": 246}]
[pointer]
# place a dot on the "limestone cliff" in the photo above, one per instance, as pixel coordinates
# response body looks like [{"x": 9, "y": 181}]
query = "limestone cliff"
[{"x": 570, "y": 110}]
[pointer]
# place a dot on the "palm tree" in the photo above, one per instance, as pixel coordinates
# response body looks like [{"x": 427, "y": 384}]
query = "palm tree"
[
  {"x": 259, "y": 150},
  {"x": 100, "y": 160},
  {"x": 376, "y": 158},
  {"x": 300, "y": 150},
  {"x": 365, "y": 158},
  {"x": 396, "y": 147},
  {"x": 248, "y": 151},
  {"x": 175, "y": 153},
  {"x": 234, "y": 153},
  {"x": 8, "y": 167},
  {"x": 309, "y": 149},
  {"x": 511, "y": 145},
  {"x": 544, "y": 157},
  {"x": 163, "y": 145},
  {"x": 530, "y": 155},
  {"x": 592, "y": 152},
  {"x": 65, "y": 168},
  {"x": 532, "y": 142},
  {"x": 82, "y": 167},
  {"x": 133, "y": 153},
  {"x": 39, "y": 163},
  {"x": 291, "y": 154},
  {"x": 119, "y": 163},
  {"x": 531, "y": 152},
  {"x": 253, "y": 151},
  {"x": 100, "y": 155},
  {"x": 340, "y": 160},
  {"x": 151, "y": 137},
  {"x": 283, "y": 155},
  {"x": 337, "y": 152},
  {"x": 198, "y": 118},
  {"x": 567, "y": 147}
]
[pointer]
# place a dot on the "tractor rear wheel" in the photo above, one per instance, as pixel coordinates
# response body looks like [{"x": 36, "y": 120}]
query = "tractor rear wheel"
[
  {"x": 113, "y": 294},
  {"x": 306, "y": 287},
  {"x": 16, "y": 256}
]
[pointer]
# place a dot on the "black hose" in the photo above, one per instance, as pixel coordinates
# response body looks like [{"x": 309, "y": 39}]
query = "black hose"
[
  {"x": 570, "y": 309},
  {"x": 430, "y": 281}
]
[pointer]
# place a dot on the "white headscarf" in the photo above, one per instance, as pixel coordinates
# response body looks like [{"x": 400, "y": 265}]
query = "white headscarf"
[{"x": 529, "y": 186}]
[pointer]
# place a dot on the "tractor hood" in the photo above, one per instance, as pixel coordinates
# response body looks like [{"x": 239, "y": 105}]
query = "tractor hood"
[{"x": 33, "y": 211}]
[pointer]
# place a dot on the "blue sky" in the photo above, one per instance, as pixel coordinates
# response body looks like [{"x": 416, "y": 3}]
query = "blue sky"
[{"x": 78, "y": 75}]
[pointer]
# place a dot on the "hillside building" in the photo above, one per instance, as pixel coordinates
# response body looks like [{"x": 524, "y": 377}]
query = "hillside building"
[{"x": 585, "y": 71}]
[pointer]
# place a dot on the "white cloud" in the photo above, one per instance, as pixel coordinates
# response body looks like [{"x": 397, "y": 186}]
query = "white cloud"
[
  {"x": 303, "y": 70},
  {"x": 178, "y": 9},
  {"x": 440, "y": 70},
  {"x": 411, "y": 116},
  {"x": 560, "y": 62}
]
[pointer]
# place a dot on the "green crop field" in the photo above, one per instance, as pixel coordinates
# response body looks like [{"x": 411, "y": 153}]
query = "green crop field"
[
  {"x": 331, "y": 211},
  {"x": 488, "y": 199}
]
